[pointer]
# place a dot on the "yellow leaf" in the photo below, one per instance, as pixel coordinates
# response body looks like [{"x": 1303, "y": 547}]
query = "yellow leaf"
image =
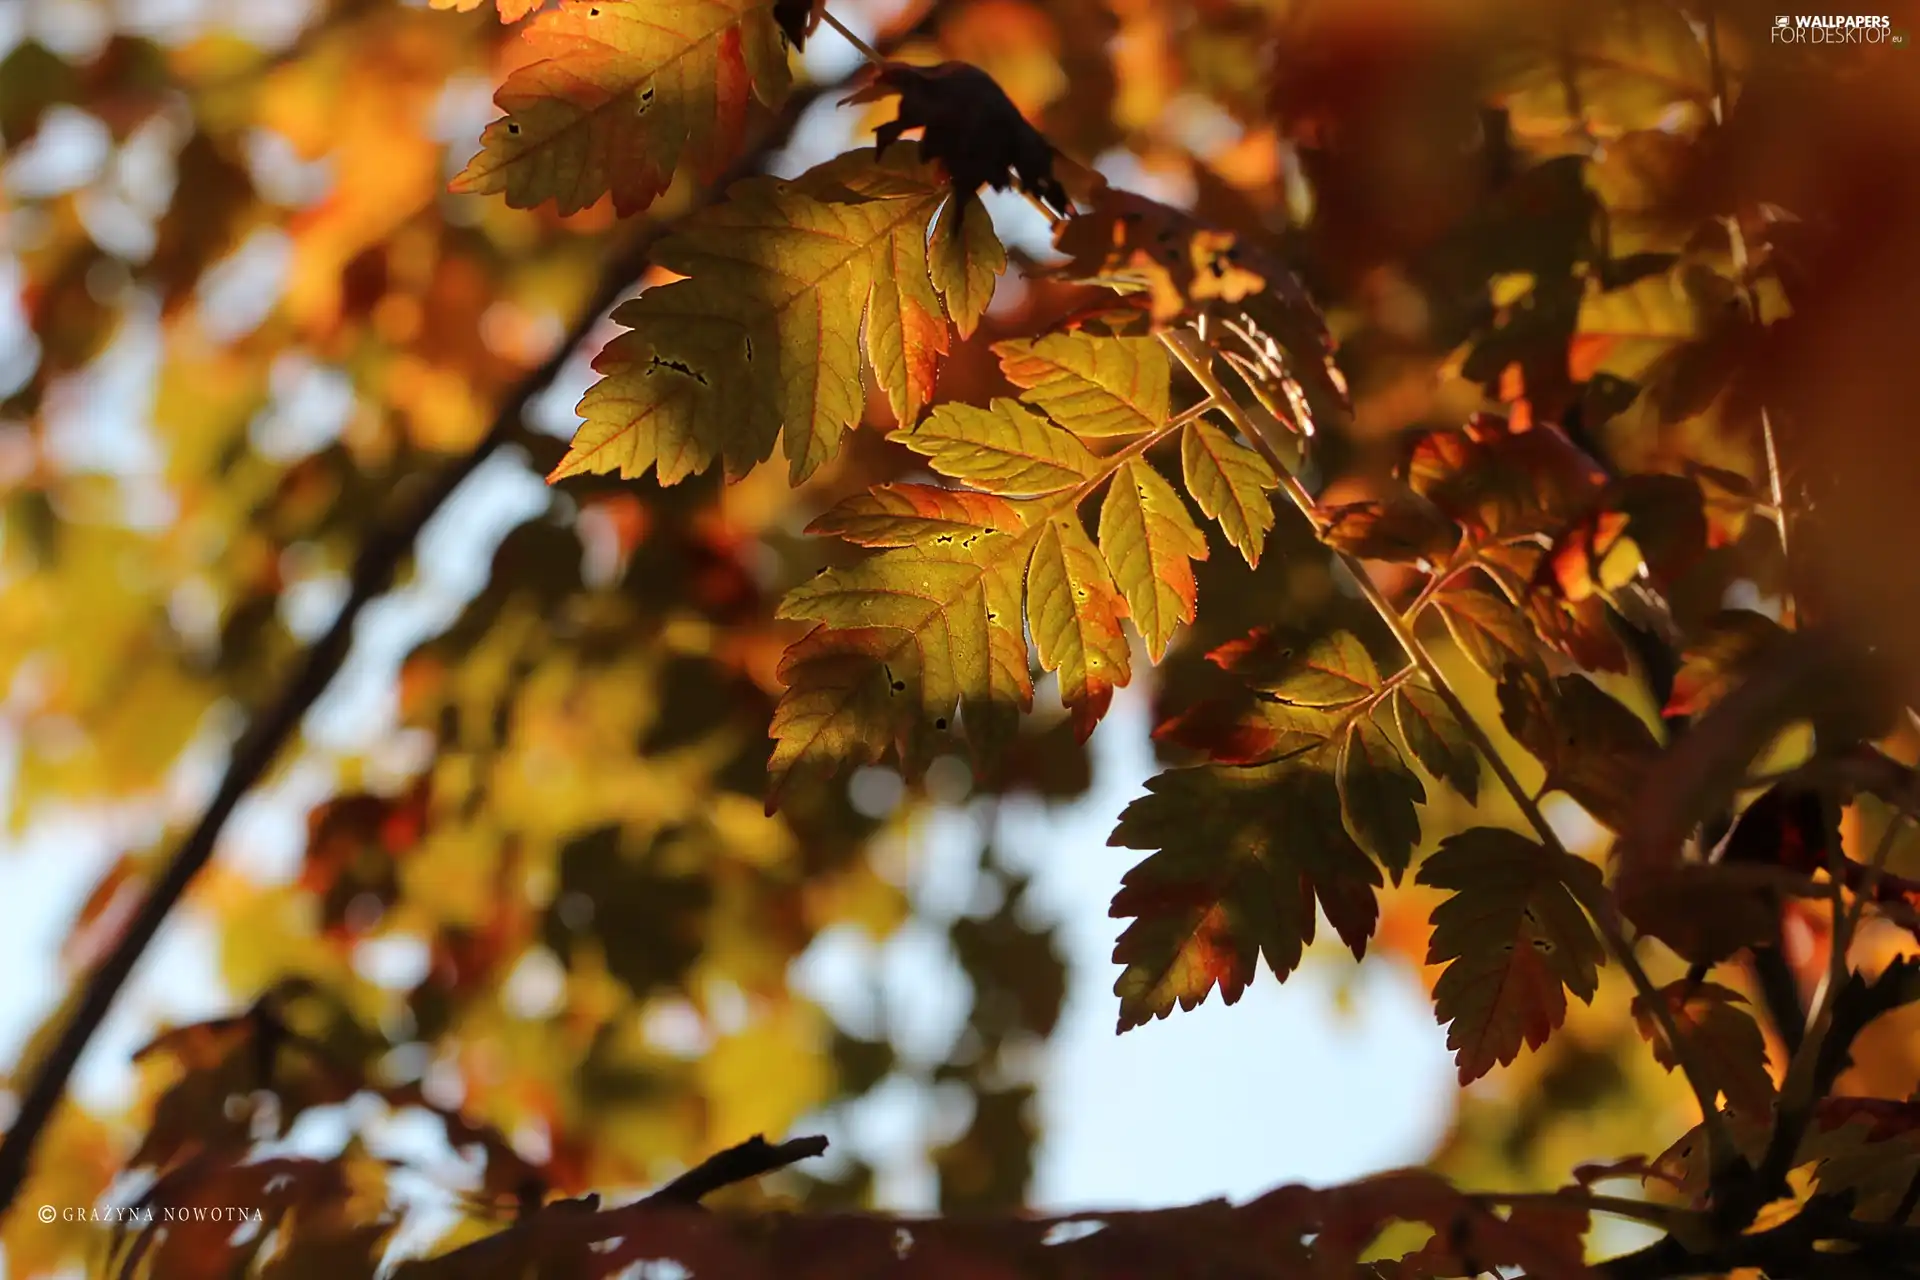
[
  {"x": 620, "y": 92},
  {"x": 1003, "y": 448},
  {"x": 1150, "y": 543},
  {"x": 1091, "y": 385},
  {"x": 1075, "y": 612},
  {"x": 1230, "y": 482}
]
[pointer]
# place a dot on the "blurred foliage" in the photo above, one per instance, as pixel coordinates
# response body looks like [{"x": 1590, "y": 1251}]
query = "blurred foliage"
[{"x": 1583, "y": 327}]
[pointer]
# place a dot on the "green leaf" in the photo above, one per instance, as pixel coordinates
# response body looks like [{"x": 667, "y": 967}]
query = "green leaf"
[
  {"x": 900, "y": 515},
  {"x": 783, "y": 282},
  {"x": 1592, "y": 747},
  {"x": 1230, "y": 482},
  {"x": 965, "y": 264},
  {"x": 1332, "y": 671},
  {"x": 1074, "y": 610},
  {"x": 1004, "y": 448},
  {"x": 1150, "y": 543},
  {"x": 1251, "y": 731},
  {"x": 1378, "y": 793},
  {"x": 1437, "y": 739},
  {"x": 1514, "y": 940},
  {"x": 1243, "y": 856},
  {"x": 1090, "y": 384}
]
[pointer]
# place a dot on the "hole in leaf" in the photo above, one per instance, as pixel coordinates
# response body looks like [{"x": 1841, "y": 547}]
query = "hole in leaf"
[
  {"x": 513, "y": 128},
  {"x": 941, "y": 723}
]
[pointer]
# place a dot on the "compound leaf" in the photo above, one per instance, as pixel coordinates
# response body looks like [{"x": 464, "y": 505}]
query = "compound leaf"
[
  {"x": 1378, "y": 793},
  {"x": 1334, "y": 670},
  {"x": 1723, "y": 1039},
  {"x": 1514, "y": 941},
  {"x": 1437, "y": 739}
]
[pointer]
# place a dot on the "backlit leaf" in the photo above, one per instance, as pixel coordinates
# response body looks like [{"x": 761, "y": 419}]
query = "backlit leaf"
[
  {"x": 783, "y": 280},
  {"x": 1243, "y": 856},
  {"x": 1074, "y": 610},
  {"x": 1437, "y": 738},
  {"x": 899, "y": 515},
  {"x": 1230, "y": 482},
  {"x": 1150, "y": 542},
  {"x": 1514, "y": 941},
  {"x": 1091, "y": 384},
  {"x": 1403, "y": 528},
  {"x": 1331, "y": 671},
  {"x": 965, "y": 257},
  {"x": 1489, "y": 632},
  {"x": 619, "y": 91},
  {"x": 1734, "y": 642},
  {"x": 1004, "y": 448},
  {"x": 1378, "y": 793}
]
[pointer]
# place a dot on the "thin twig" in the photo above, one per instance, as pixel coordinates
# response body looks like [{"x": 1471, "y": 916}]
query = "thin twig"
[
  {"x": 1597, "y": 904},
  {"x": 751, "y": 1159},
  {"x": 866, "y": 50}
]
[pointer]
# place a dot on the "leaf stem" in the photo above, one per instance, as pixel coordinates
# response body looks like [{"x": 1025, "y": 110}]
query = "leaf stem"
[{"x": 1597, "y": 904}]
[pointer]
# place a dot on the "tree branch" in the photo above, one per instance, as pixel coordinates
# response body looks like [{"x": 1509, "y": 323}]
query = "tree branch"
[{"x": 271, "y": 728}]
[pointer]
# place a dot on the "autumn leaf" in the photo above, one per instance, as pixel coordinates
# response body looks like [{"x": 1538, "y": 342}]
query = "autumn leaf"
[
  {"x": 1514, "y": 941},
  {"x": 1242, "y": 857},
  {"x": 1004, "y": 448},
  {"x": 1378, "y": 794},
  {"x": 510, "y": 10},
  {"x": 1090, "y": 384},
  {"x": 619, "y": 92},
  {"x": 783, "y": 279},
  {"x": 1403, "y": 528},
  {"x": 1074, "y": 610},
  {"x": 1252, "y": 730},
  {"x": 1230, "y": 482},
  {"x": 1730, "y": 644},
  {"x": 970, "y": 125},
  {"x": 900, "y": 515},
  {"x": 1490, "y": 633},
  {"x": 1501, "y": 482},
  {"x": 1331, "y": 671},
  {"x": 1593, "y": 748},
  {"x": 1722, "y": 1039},
  {"x": 1437, "y": 738},
  {"x": 1150, "y": 542}
]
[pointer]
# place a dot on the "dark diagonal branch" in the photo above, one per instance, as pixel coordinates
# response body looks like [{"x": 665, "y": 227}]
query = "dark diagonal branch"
[
  {"x": 751, "y": 1159},
  {"x": 272, "y": 727}
]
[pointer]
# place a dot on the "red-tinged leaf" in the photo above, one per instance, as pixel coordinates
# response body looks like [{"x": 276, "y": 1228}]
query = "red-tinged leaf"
[
  {"x": 1091, "y": 384},
  {"x": 1331, "y": 671},
  {"x": 1074, "y": 612},
  {"x": 970, "y": 125},
  {"x": 1736, "y": 642},
  {"x": 1490, "y": 633},
  {"x": 1004, "y": 448},
  {"x": 1722, "y": 1040},
  {"x": 618, "y": 92},
  {"x": 1637, "y": 1167},
  {"x": 900, "y": 515},
  {"x": 1150, "y": 543},
  {"x": 1704, "y": 912},
  {"x": 1437, "y": 738},
  {"x": 1514, "y": 941},
  {"x": 1250, "y": 731},
  {"x": 1403, "y": 529},
  {"x": 1592, "y": 747},
  {"x": 1230, "y": 482},
  {"x": 105, "y": 914},
  {"x": 1503, "y": 483},
  {"x": 1243, "y": 855},
  {"x": 1378, "y": 793}
]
